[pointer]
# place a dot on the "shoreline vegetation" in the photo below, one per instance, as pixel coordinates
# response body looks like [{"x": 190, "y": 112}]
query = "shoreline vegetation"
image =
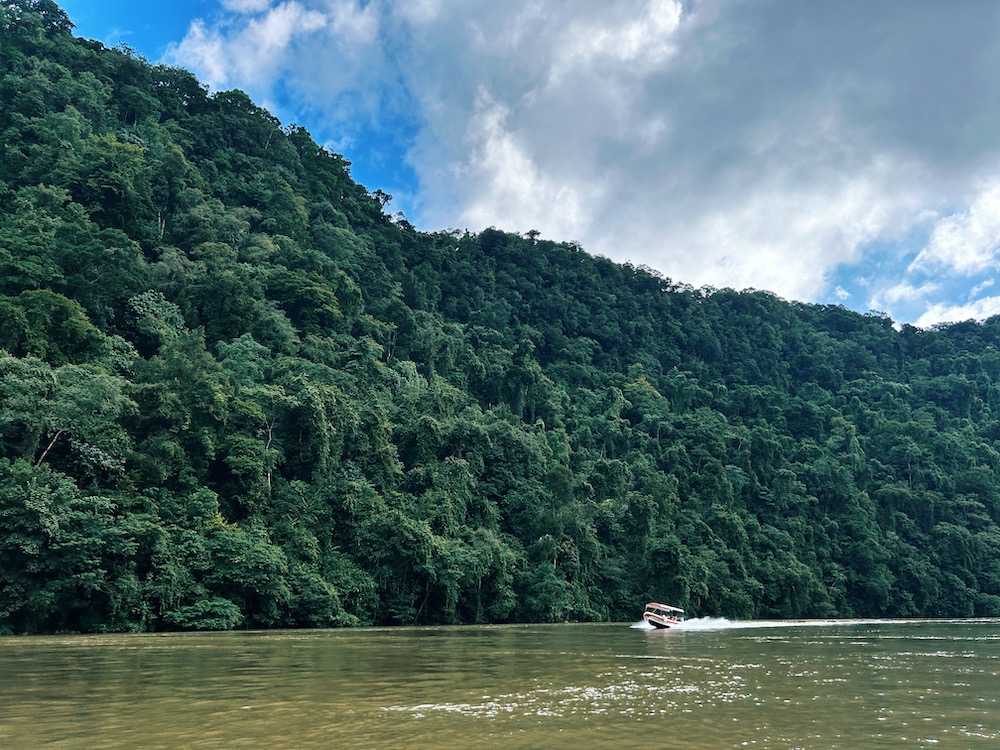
[{"x": 235, "y": 393}]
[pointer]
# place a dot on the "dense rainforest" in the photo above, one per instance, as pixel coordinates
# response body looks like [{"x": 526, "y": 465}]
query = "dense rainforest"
[{"x": 236, "y": 392}]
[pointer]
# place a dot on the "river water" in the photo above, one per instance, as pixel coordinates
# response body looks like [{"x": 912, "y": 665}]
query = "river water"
[{"x": 714, "y": 684}]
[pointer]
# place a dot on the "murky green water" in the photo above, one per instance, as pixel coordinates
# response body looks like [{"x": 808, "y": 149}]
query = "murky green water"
[{"x": 715, "y": 685}]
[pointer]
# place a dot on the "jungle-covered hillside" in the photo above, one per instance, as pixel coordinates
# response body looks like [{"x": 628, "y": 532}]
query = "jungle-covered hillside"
[{"x": 236, "y": 392}]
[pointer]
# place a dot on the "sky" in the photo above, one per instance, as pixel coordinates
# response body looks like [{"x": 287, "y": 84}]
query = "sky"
[{"x": 838, "y": 153}]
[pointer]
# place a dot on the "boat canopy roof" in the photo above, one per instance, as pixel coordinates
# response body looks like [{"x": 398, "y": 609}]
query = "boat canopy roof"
[{"x": 667, "y": 607}]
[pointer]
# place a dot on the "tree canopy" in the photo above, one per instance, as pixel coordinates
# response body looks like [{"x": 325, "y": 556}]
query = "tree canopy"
[{"x": 234, "y": 392}]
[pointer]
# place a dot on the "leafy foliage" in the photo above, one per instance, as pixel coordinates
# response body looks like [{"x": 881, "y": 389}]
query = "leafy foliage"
[{"x": 235, "y": 393}]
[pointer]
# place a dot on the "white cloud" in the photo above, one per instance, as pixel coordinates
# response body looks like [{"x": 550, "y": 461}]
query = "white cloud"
[
  {"x": 275, "y": 31},
  {"x": 944, "y": 312},
  {"x": 966, "y": 242},
  {"x": 782, "y": 237},
  {"x": 904, "y": 291},
  {"x": 980, "y": 288},
  {"x": 642, "y": 40},
  {"x": 506, "y": 186},
  {"x": 356, "y": 22},
  {"x": 250, "y": 55},
  {"x": 246, "y": 6},
  {"x": 203, "y": 50}
]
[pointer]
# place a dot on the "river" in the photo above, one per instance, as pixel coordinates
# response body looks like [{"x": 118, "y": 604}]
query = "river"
[{"x": 714, "y": 684}]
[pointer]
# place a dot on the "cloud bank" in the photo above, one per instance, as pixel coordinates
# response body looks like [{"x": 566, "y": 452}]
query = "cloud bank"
[{"x": 825, "y": 152}]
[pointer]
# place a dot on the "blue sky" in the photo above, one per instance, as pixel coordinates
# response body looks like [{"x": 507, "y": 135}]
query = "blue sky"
[{"x": 828, "y": 152}]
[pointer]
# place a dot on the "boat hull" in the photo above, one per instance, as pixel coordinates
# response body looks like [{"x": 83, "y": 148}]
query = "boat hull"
[{"x": 661, "y": 624}]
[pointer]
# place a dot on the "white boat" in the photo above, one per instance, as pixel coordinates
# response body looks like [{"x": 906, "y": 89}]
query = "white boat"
[{"x": 663, "y": 615}]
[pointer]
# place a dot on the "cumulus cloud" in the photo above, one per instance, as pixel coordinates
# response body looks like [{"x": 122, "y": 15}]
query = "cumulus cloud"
[
  {"x": 250, "y": 52},
  {"x": 513, "y": 190},
  {"x": 904, "y": 291},
  {"x": 966, "y": 242},
  {"x": 643, "y": 40},
  {"x": 203, "y": 50},
  {"x": 780, "y": 238},
  {"x": 795, "y": 147},
  {"x": 943, "y": 312}
]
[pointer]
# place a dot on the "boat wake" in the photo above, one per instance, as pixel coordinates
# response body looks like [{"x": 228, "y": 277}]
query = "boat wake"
[
  {"x": 721, "y": 623},
  {"x": 701, "y": 623}
]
